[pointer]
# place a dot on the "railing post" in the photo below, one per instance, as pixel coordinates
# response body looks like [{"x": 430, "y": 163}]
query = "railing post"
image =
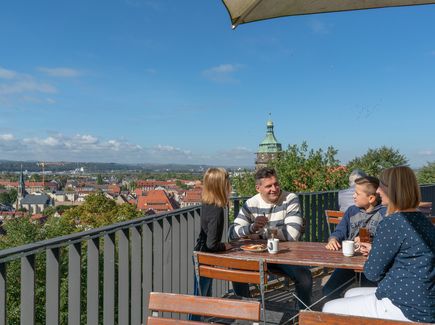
[
  {"x": 123, "y": 276},
  {"x": 28, "y": 290},
  {"x": 52, "y": 286},
  {"x": 74, "y": 283},
  {"x": 93, "y": 281},
  {"x": 2, "y": 293},
  {"x": 109, "y": 280},
  {"x": 136, "y": 284}
]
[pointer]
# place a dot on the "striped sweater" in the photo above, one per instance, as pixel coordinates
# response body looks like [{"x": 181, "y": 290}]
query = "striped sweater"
[{"x": 285, "y": 215}]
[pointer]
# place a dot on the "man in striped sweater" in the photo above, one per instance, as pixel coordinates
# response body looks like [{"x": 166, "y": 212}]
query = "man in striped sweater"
[{"x": 274, "y": 208}]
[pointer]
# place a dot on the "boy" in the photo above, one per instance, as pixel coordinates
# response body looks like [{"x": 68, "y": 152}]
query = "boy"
[{"x": 367, "y": 212}]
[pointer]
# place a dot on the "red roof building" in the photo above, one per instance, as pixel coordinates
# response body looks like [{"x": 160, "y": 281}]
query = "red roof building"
[{"x": 157, "y": 201}]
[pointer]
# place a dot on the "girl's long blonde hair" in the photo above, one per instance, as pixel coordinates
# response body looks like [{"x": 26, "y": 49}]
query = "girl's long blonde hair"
[
  {"x": 216, "y": 187},
  {"x": 401, "y": 187}
]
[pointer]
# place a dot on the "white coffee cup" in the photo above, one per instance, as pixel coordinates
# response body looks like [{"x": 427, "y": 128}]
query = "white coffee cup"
[
  {"x": 273, "y": 245},
  {"x": 349, "y": 247}
]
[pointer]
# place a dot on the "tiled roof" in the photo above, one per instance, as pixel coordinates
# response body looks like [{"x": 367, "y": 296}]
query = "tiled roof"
[
  {"x": 35, "y": 199},
  {"x": 192, "y": 196},
  {"x": 156, "y": 200}
]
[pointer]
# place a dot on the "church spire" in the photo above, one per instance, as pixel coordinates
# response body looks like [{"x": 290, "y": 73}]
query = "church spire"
[{"x": 21, "y": 185}]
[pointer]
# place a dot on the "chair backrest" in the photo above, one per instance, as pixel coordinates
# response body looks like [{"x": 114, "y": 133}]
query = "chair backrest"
[
  {"x": 201, "y": 306},
  {"x": 425, "y": 208},
  {"x": 333, "y": 217},
  {"x": 315, "y": 318},
  {"x": 231, "y": 269}
]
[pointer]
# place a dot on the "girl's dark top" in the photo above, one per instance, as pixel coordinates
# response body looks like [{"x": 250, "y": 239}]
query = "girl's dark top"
[
  {"x": 402, "y": 260},
  {"x": 212, "y": 227}
]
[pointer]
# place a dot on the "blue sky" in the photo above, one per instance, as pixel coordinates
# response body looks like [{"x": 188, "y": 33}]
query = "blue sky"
[{"x": 163, "y": 81}]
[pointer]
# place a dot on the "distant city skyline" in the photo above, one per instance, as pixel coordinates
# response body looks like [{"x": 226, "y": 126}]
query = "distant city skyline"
[{"x": 147, "y": 81}]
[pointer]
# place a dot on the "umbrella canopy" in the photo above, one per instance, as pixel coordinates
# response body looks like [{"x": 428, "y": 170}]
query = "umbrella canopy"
[{"x": 245, "y": 11}]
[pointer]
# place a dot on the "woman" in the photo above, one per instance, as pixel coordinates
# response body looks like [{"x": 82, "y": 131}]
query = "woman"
[
  {"x": 401, "y": 259},
  {"x": 215, "y": 194}
]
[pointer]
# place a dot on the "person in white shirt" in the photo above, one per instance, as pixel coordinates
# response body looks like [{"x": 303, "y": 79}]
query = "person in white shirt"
[{"x": 345, "y": 197}]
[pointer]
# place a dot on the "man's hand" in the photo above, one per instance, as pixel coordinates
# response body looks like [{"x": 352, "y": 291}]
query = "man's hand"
[
  {"x": 259, "y": 223},
  {"x": 228, "y": 246},
  {"x": 333, "y": 244},
  {"x": 365, "y": 248}
]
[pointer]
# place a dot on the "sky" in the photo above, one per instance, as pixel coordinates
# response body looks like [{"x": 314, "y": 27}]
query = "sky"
[{"x": 168, "y": 81}]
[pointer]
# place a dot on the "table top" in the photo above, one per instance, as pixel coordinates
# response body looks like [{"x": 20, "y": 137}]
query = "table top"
[{"x": 298, "y": 253}]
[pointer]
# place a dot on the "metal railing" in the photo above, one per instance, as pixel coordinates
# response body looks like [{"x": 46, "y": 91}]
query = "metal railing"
[{"x": 123, "y": 262}]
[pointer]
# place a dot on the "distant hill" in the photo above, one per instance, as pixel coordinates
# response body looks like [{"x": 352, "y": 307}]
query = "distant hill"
[{"x": 95, "y": 167}]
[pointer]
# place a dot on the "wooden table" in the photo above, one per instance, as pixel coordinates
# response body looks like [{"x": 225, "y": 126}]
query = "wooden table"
[{"x": 299, "y": 253}]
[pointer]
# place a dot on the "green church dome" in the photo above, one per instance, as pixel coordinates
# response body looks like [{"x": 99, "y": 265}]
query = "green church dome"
[{"x": 269, "y": 144}]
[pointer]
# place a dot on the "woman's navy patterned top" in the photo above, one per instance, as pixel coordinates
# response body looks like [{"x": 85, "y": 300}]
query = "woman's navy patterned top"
[{"x": 402, "y": 261}]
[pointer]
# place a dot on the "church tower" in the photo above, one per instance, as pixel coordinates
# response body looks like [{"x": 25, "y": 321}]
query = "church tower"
[
  {"x": 21, "y": 190},
  {"x": 268, "y": 149}
]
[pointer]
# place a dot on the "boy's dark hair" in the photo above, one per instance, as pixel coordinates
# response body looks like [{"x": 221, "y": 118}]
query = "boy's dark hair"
[
  {"x": 264, "y": 172},
  {"x": 371, "y": 185}
]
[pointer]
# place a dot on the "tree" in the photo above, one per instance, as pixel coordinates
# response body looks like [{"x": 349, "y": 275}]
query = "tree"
[
  {"x": 35, "y": 178},
  {"x": 426, "y": 175},
  {"x": 8, "y": 197},
  {"x": 99, "y": 179},
  {"x": 98, "y": 211},
  {"x": 375, "y": 160},
  {"x": 301, "y": 169},
  {"x": 244, "y": 183},
  {"x": 181, "y": 185}
]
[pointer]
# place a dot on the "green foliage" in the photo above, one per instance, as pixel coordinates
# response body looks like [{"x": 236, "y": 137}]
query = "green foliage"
[
  {"x": 301, "y": 169},
  {"x": 181, "y": 185},
  {"x": 50, "y": 211},
  {"x": 8, "y": 197},
  {"x": 35, "y": 178},
  {"x": 426, "y": 175},
  {"x": 98, "y": 210},
  {"x": 100, "y": 179},
  {"x": 375, "y": 160},
  {"x": 244, "y": 183}
]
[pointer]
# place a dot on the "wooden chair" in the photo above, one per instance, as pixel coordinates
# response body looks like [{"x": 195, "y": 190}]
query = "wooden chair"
[
  {"x": 231, "y": 269},
  {"x": 315, "y": 318},
  {"x": 201, "y": 306},
  {"x": 333, "y": 217},
  {"x": 425, "y": 208}
]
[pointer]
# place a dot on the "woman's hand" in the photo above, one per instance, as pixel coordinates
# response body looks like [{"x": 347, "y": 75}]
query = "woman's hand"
[
  {"x": 228, "y": 246},
  {"x": 333, "y": 244},
  {"x": 365, "y": 248}
]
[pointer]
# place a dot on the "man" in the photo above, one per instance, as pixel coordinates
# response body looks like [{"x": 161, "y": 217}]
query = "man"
[
  {"x": 345, "y": 197},
  {"x": 272, "y": 207}
]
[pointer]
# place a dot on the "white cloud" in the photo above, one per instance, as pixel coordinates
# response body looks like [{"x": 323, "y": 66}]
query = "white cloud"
[
  {"x": 6, "y": 137},
  {"x": 426, "y": 153},
  {"x": 222, "y": 73},
  {"x": 21, "y": 87},
  {"x": 60, "y": 72},
  {"x": 86, "y": 147},
  {"x": 7, "y": 74},
  {"x": 319, "y": 27},
  {"x": 25, "y": 86}
]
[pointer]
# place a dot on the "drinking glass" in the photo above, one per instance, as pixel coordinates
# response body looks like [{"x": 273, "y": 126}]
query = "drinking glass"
[{"x": 364, "y": 235}]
